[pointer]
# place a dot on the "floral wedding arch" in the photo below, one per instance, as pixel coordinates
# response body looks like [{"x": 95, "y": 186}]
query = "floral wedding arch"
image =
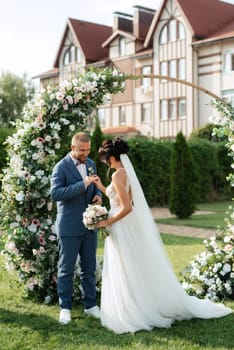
[
  {"x": 40, "y": 140},
  {"x": 28, "y": 212},
  {"x": 211, "y": 273}
]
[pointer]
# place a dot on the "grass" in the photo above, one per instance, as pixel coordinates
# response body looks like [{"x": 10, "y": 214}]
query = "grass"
[
  {"x": 209, "y": 221},
  {"x": 25, "y": 325}
]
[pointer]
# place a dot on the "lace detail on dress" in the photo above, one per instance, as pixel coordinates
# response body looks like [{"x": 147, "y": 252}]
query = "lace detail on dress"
[{"x": 112, "y": 195}]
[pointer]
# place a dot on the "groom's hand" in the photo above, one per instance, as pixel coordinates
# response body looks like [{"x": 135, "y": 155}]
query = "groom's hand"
[{"x": 87, "y": 181}]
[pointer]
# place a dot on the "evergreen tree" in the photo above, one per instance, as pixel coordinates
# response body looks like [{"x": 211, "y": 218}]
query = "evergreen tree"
[
  {"x": 96, "y": 141},
  {"x": 102, "y": 169},
  {"x": 183, "y": 180}
]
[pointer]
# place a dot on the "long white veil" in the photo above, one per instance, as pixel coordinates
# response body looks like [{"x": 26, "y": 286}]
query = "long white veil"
[{"x": 143, "y": 210}]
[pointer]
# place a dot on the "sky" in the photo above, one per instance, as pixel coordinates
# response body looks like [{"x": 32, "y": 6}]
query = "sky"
[{"x": 31, "y": 30}]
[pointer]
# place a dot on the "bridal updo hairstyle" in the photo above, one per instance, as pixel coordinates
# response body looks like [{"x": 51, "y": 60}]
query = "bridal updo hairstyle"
[{"x": 112, "y": 148}]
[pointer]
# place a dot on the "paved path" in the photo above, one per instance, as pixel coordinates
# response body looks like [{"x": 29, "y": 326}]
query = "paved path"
[{"x": 180, "y": 230}]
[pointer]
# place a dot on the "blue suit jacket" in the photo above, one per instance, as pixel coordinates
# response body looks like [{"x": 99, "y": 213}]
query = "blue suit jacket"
[{"x": 68, "y": 190}]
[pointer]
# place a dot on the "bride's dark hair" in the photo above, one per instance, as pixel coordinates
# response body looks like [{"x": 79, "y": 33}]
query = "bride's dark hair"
[{"x": 113, "y": 148}]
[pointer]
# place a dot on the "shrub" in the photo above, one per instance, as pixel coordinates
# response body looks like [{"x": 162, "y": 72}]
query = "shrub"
[
  {"x": 206, "y": 133},
  {"x": 211, "y": 273}
]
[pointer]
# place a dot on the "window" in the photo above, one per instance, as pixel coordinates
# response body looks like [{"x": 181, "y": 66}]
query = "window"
[
  {"x": 78, "y": 55},
  {"x": 181, "y": 31},
  {"x": 176, "y": 68},
  {"x": 146, "y": 112},
  {"x": 66, "y": 58},
  {"x": 146, "y": 82},
  {"x": 122, "y": 116},
  {"x": 172, "y": 31},
  {"x": 72, "y": 55},
  {"x": 172, "y": 108},
  {"x": 163, "y": 35},
  {"x": 229, "y": 62},
  {"x": 182, "y": 107},
  {"x": 181, "y": 68},
  {"x": 122, "y": 47},
  {"x": 163, "y": 110},
  {"x": 172, "y": 68},
  {"x": 101, "y": 116},
  {"x": 163, "y": 68}
]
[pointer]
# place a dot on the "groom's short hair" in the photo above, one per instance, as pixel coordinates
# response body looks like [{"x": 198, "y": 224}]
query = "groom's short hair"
[{"x": 80, "y": 136}]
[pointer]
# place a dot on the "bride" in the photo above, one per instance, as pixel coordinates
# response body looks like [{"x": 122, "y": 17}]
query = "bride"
[{"x": 139, "y": 288}]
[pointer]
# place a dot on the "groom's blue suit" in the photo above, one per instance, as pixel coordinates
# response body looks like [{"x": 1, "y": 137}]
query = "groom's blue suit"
[{"x": 68, "y": 190}]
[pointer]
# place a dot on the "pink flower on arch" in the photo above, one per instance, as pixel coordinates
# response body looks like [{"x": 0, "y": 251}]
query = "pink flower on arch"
[{"x": 36, "y": 222}]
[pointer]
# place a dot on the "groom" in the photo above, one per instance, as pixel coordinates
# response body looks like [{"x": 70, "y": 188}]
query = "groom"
[{"x": 73, "y": 190}]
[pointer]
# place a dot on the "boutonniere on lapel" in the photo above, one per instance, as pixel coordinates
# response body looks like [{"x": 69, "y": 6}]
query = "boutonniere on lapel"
[{"x": 91, "y": 171}]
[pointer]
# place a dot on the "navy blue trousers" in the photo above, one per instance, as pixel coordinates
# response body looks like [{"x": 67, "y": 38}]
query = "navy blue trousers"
[{"x": 69, "y": 248}]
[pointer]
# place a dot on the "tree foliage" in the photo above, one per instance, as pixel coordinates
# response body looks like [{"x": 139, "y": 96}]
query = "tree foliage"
[
  {"x": 15, "y": 92},
  {"x": 206, "y": 133},
  {"x": 102, "y": 169}
]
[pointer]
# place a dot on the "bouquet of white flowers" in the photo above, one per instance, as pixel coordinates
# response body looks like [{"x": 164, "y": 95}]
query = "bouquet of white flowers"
[{"x": 93, "y": 214}]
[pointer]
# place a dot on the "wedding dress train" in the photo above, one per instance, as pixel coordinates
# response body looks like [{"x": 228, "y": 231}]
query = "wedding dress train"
[{"x": 139, "y": 288}]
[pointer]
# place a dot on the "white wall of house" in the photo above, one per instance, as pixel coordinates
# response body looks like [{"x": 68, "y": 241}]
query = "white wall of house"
[
  {"x": 209, "y": 77},
  {"x": 170, "y": 92}
]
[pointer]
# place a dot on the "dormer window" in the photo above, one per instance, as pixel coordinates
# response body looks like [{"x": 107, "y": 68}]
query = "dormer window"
[
  {"x": 181, "y": 31},
  {"x": 173, "y": 30},
  {"x": 72, "y": 55},
  {"x": 122, "y": 46},
  {"x": 66, "y": 58}
]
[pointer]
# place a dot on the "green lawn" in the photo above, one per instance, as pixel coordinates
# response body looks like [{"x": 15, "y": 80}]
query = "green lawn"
[
  {"x": 25, "y": 325},
  {"x": 209, "y": 221}
]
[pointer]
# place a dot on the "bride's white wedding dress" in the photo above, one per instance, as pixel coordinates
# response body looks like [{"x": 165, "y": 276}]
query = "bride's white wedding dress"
[{"x": 139, "y": 288}]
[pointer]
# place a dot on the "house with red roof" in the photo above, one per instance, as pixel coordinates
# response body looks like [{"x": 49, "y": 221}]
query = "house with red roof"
[{"x": 191, "y": 40}]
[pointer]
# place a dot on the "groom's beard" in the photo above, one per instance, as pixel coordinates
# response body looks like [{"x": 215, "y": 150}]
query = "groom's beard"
[{"x": 82, "y": 159}]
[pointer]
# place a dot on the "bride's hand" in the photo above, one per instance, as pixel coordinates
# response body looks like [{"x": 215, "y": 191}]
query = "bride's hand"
[
  {"x": 96, "y": 180},
  {"x": 93, "y": 178},
  {"x": 101, "y": 224}
]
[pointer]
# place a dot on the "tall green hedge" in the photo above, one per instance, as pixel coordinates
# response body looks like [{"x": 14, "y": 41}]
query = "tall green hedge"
[
  {"x": 221, "y": 185},
  {"x": 205, "y": 156},
  {"x": 151, "y": 160}
]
